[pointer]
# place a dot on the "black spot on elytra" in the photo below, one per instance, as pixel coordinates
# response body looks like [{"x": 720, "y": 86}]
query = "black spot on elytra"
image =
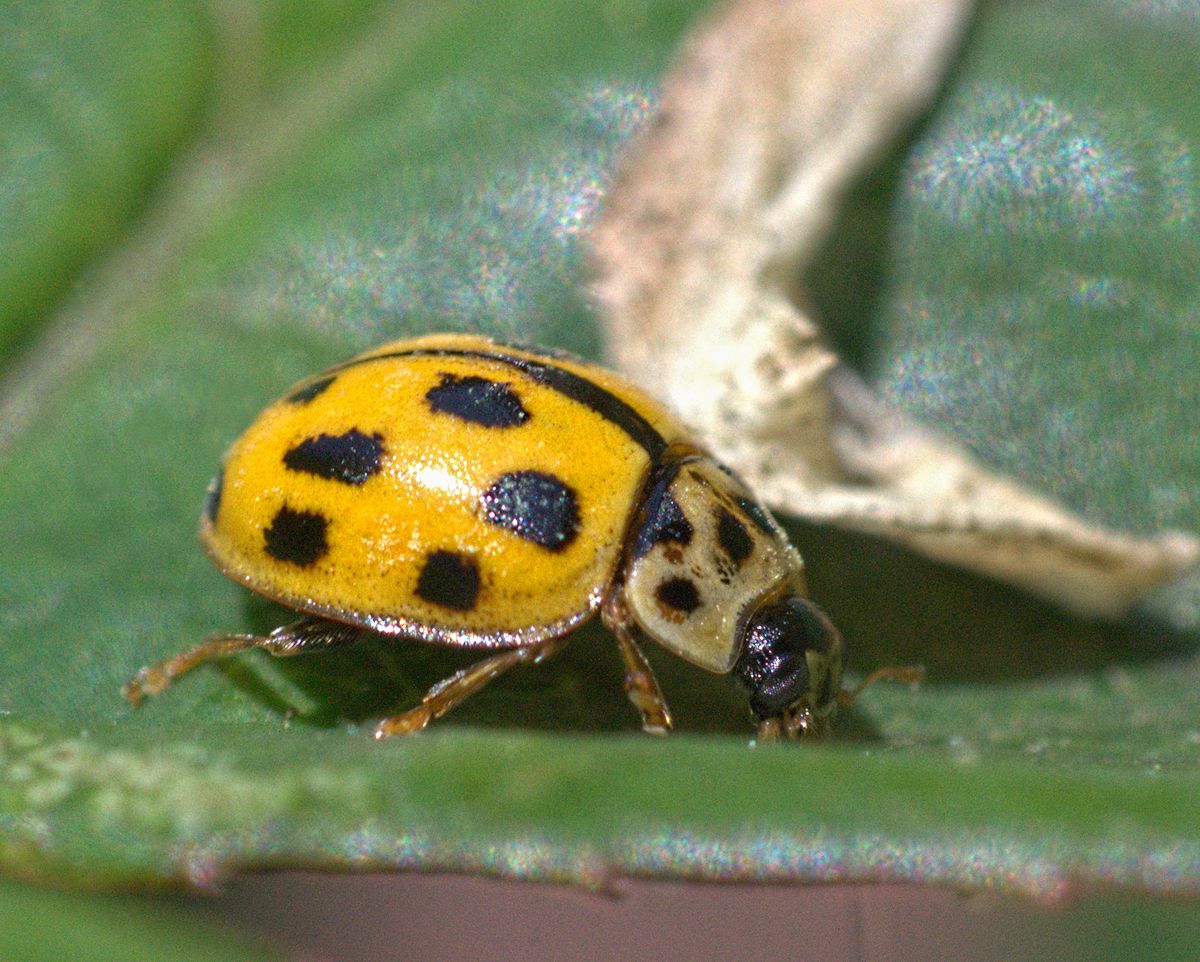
[
  {"x": 535, "y": 506},
  {"x": 212, "y": 497},
  {"x": 665, "y": 522},
  {"x": 449, "y": 579},
  {"x": 297, "y": 536},
  {"x": 756, "y": 513},
  {"x": 565, "y": 382},
  {"x": 735, "y": 540},
  {"x": 493, "y": 404},
  {"x": 587, "y": 392},
  {"x": 679, "y": 594},
  {"x": 350, "y": 458},
  {"x": 309, "y": 391}
]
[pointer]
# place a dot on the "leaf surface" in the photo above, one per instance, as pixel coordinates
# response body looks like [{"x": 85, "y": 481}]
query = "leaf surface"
[{"x": 412, "y": 168}]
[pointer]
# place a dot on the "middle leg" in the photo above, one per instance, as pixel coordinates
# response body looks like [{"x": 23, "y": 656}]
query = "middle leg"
[{"x": 452, "y": 691}]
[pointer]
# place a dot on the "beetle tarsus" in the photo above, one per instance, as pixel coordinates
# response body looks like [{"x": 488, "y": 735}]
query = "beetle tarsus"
[
  {"x": 409, "y": 723},
  {"x": 911, "y": 675},
  {"x": 153, "y": 679}
]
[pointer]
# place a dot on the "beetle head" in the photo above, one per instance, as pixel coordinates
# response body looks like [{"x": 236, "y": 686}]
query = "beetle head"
[{"x": 791, "y": 663}]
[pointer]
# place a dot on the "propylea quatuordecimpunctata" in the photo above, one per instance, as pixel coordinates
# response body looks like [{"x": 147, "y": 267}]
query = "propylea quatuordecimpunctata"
[{"x": 462, "y": 492}]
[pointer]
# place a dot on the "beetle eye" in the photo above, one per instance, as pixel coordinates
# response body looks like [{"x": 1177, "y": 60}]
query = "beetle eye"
[{"x": 773, "y": 663}]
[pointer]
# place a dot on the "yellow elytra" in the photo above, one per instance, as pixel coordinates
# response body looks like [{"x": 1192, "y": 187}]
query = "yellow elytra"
[{"x": 459, "y": 491}]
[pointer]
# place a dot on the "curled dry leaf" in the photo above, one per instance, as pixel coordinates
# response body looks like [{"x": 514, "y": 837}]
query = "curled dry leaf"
[{"x": 774, "y": 107}]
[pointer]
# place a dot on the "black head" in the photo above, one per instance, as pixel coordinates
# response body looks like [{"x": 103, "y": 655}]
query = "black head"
[{"x": 791, "y": 663}]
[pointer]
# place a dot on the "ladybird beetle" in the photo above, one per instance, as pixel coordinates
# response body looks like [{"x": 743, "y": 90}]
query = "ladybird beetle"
[{"x": 464, "y": 492}]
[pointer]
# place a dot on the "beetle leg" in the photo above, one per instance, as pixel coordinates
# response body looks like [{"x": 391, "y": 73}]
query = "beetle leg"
[
  {"x": 292, "y": 639},
  {"x": 640, "y": 684},
  {"x": 449, "y": 692}
]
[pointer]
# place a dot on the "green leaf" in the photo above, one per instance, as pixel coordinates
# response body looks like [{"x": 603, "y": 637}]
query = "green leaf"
[
  {"x": 36, "y": 924},
  {"x": 92, "y": 115},
  {"x": 416, "y": 167}
]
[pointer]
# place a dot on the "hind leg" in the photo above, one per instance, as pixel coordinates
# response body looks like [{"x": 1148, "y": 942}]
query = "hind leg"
[{"x": 293, "y": 639}]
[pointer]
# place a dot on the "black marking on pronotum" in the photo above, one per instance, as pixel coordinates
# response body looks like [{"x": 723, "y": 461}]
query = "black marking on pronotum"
[
  {"x": 756, "y": 513},
  {"x": 297, "y": 536},
  {"x": 449, "y": 579},
  {"x": 212, "y": 497},
  {"x": 535, "y": 506},
  {"x": 493, "y": 404},
  {"x": 679, "y": 594},
  {"x": 735, "y": 540},
  {"x": 350, "y": 458},
  {"x": 663, "y": 521},
  {"x": 309, "y": 391},
  {"x": 572, "y": 385}
]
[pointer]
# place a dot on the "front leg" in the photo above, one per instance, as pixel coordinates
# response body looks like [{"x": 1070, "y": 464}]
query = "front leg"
[{"x": 640, "y": 684}]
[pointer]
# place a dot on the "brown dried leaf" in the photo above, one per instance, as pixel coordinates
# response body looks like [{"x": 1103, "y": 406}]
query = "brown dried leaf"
[{"x": 774, "y": 107}]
